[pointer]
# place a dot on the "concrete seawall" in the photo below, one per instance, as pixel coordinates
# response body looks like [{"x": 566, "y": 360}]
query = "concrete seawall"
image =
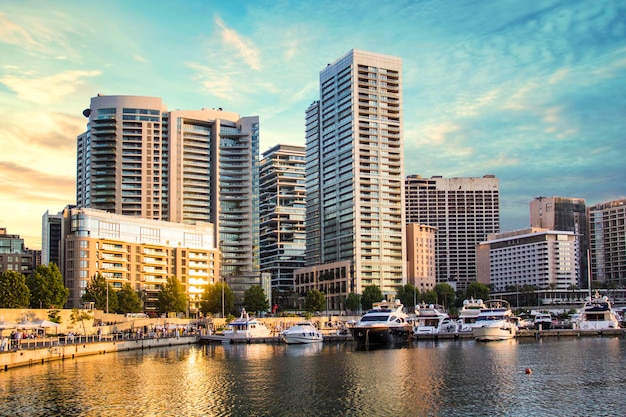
[{"x": 26, "y": 357}]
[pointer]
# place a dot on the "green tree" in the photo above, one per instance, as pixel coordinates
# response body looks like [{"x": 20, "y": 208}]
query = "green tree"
[
  {"x": 445, "y": 294},
  {"x": 212, "y": 299},
  {"x": 353, "y": 302},
  {"x": 14, "y": 292},
  {"x": 429, "y": 297},
  {"x": 46, "y": 287},
  {"x": 477, "y": 290},
  {"x": 172, "y": 297},
  {"x": 407, "y": 294},
  {"x": 80, "y": 316},
  {"x": 371, "y": 294},
  {"x": 315, "y": 301},
  {"x": 53, "y": 316},
  {"x": 254, "y": 299},
  {"x": 128, "y": 300},
  {"x": 98, "y": 291}
]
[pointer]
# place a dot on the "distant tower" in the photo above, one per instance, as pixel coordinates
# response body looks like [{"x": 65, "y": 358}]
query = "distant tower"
[
  {"x": 355, "y": 219},
  {"x": 282, "y": 210},
  {"x": 464, "y": 211},
  {"x": 567, "y": 215}
]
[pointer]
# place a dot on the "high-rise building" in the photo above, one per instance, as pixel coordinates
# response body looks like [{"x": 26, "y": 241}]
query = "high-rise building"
[
  {"x": 140, "y": 252},
  {"x": 420, "y": 249},
  {"x": 282, "y": 212},
  {"x": 607, "y": 242},
  {"x": 51, "y": 238},
  {"x": 354, "y": 168},
  {"x": 464, "y": 211},
  {"x": 564, "y": 214},
  {"x": 185, "y": 166},
  {"x": 542, "y": 258}
]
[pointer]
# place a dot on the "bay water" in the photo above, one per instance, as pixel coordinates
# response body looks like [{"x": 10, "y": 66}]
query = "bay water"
[{"x": 567, "y": 376}]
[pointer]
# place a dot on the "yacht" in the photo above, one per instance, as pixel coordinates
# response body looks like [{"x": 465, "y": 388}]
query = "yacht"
[
  {"x": 432, "y": 319},
  {"x": 303, "y": 332},
  {"x": 469, "y": 313},
  {"x": 385, "y": 324},
  {"x": 542, "y": 321},
  {"x": 495, "y": 322},
  {"x": 597, "y": 314},
  {"x": 245, "y": 327}
]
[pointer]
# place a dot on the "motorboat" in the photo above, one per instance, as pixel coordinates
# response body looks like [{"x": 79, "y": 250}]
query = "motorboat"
[
  {"x": 495, "y": 322},
  {"x": 303, "y": 332},
  {"x": 469, "y": 313},
  {"x": 597, "y": 314},
  {"x": 542, "y": 321},
  {"x": 245, "y": 327},
  {"x": 432, "y": 319},
  {"x": 385, "y": 324}
]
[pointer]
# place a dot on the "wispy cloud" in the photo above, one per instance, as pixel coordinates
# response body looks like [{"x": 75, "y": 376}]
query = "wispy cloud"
[
  {"x": 46, "y": 89},
  {"x": 245, "y": 47},
  {"x": 14, "y": 34}
]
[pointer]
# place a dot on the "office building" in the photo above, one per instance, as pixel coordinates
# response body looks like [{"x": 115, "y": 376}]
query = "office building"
[
  {"x": 51, "y": 238},
  {"x": 420, "y": 243},
  {"x": 354, "y": 175},
  {"x": 464, "y": 211},
  {"x": 607, "y": 242},
  {"x": 184, "y": 166},
  {"x": 14, "y": 256},
  {"x": 282, "y": 212},
  {"x": 564, "y": 214},
  {"x": 538, "y": 257},
  {"x": 140, "y": 252}
]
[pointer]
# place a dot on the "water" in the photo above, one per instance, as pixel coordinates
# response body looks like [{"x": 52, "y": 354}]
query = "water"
[{"x": 570, "y": 377}]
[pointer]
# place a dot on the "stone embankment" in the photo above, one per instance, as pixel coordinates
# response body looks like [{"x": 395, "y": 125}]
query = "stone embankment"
[{"x": 56, "y": 349}]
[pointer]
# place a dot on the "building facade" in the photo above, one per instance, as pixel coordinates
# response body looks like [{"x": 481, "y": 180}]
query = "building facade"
[
  {"x": 282, "y": 213},
  {"x": 51, "y": 238},
  {"x": 464, "y": 211},
  {"x": 137, "y": 251},
  {"x": 538, "y": 257},
  {"x": 607, "y": 242},
  {"x": 14, "y": 256},
  {"x": 420, "y": 242},
  {"x": 354, "y": 168},
  {"x": 184, "y": 166},
  {"x": 566, "y": 214}
]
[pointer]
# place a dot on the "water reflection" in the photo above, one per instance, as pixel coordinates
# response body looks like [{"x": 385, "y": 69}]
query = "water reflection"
[{"x": 450, "y": 378}]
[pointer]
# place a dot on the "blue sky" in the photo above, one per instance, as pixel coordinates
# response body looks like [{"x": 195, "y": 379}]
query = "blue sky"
[{"x": 531, "y": 91}]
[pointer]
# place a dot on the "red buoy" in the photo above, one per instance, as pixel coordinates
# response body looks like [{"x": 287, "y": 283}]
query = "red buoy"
[{"x": 529, "y": 371}]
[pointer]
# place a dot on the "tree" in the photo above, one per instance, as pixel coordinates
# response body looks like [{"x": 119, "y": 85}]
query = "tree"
[
  {"x": 98, "y": 291},
  {"x": 407, "y": 294},
  {"x": 128, "y": 300},
  {"x": 353, "y": 302},
  {"x": 315, "y": 301},
  {"x": 80, "y": 315},
  {"x": 46, "y": 287},
  {"x": 212, "y": 299},
  {"x": 254, "y": 299},
  {"x": 477, "y": 290},
  {"x": 371, "y": 294},
  {"x": 14, "y": 292},
  {"x": 172, "y": 297},
  {"x": 445, "y": 294}
]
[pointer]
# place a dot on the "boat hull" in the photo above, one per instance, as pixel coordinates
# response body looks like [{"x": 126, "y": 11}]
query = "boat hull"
[
  {"x": 489, "y": 334},
  {"x": 381, "y": 335},
  {"x": 294, "y": 339}
]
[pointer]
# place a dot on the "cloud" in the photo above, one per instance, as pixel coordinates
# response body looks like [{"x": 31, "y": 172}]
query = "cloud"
[
  {"x": 22, "y": 184},
  {"x": 47, "y": 89},
  {"x": 244, "y": 47},
  {"x": 14, "y": 34}
]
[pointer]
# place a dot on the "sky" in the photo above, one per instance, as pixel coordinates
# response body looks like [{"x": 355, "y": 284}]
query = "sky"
[{"x": 533, "y": 92}]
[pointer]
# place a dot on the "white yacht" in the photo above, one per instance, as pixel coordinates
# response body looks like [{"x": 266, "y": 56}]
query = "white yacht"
[
  {"x": 597, "y": 314},
  {"x": 495, "y": 322},
  {"x": 542, "y": 321},
  {"x": 303, "y": 332},
  {"x": 245, "y": 327},
  {"x": 385, "y": 324},
  {"x": 469, "y": 313},
  {"x": 432, "y": 319}
]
